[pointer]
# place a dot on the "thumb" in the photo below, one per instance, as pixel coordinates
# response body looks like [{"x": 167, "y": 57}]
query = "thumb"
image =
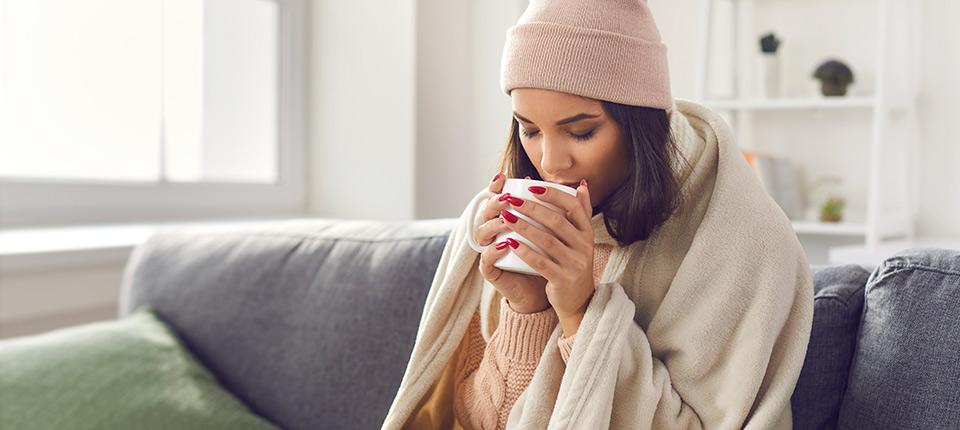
[{"x": 583, "y": 194}]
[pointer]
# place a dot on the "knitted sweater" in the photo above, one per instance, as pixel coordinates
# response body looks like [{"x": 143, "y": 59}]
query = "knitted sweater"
[{"x": 491, "y": 376}]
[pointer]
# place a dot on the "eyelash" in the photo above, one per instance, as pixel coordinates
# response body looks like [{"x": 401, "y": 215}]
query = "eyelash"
[{"x": 586, "y": 136}]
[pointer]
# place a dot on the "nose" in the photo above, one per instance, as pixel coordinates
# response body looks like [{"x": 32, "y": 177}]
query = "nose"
[{"x": 554, "y": 157}]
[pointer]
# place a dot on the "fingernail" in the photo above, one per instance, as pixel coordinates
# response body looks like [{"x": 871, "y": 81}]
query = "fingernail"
[
  {"x": 509, "y": 216},
  {"x": 583, "y": 182},
  {"x": 536, "y": 189},
  {"x": 513, "y": 242},
  {"x": 504, "y": 197},
  {"x": 502, "y": 245},
  {"x": 497, "y": 176},
  {"x": 515, "y": 201}
]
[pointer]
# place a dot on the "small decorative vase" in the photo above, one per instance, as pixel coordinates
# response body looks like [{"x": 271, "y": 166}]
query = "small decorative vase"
[{"x": 769, "y": 75}]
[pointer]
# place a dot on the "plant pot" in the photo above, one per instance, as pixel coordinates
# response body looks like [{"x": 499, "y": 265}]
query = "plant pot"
[
  {"x": 831, "y": 217},
  {"x": 833, "y": 89}
]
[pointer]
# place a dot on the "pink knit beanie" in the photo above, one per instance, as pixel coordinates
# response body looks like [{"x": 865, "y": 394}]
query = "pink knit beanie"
[{"x": 602, "y": 49}]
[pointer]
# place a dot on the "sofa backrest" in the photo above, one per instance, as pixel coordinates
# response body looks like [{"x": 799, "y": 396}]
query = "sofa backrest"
[
  {"x": 905, "y": 372},
  {"x": 837, "y": 307},
  {"x": 309, "y": 322}
]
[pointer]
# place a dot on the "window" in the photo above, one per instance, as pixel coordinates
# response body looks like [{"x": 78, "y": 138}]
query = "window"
[{"x": 120, "y": 110}]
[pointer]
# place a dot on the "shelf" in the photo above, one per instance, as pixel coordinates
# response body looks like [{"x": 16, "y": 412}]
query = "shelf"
[
  {"x": 830, "y": 228},
  {"x": 871, "y": 256},
  {"x": 811, "y": 103}
]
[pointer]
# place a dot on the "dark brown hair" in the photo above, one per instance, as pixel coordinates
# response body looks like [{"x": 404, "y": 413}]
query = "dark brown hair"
[{"x": 651, "y": 192}]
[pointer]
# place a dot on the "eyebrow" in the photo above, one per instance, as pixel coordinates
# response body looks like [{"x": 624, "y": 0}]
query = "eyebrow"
[{"x": 568, "y": 120}]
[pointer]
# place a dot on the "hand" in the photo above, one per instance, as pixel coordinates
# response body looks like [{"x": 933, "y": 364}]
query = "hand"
[
  {"x": 568, "y": 263},
  {"x": 524, "y": 293}
]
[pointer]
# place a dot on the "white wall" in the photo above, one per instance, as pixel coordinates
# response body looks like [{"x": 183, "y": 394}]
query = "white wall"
[
  {"x": 362, "y": 109},
  {"x": 35, "y": 301},
  {"x": 444, "y": 127},
  {"x": 939, "y": 198}
]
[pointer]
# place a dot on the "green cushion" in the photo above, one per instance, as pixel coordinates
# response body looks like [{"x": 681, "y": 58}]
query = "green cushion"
[{"x": 126, "y": 373}]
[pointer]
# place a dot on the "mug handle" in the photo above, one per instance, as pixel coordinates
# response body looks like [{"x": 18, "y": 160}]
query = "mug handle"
[{"x": 482, "y": 195}]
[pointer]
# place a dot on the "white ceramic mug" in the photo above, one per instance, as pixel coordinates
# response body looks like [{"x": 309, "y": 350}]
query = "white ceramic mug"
[{"x": 518, "y": 188}]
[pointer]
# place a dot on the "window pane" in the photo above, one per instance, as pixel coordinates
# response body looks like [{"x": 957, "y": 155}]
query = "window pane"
[
  {"x": 136, "y": 90},
  {"x": 79, "y": 89},
  {"x": 221, "y": 90}
]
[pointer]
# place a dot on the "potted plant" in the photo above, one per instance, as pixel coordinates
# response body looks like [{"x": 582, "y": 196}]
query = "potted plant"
[
  {"x": 832, "y": 210},
  {"x": 834, "y": 78},
  {"x": 769, "y": 43}
]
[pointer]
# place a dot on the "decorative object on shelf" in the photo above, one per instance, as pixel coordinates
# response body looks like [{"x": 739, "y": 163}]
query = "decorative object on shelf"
[
  {"x": 832, "y": 209},
  {"x": 770, "y": 66},
  {"x": 873, "y": 216},
  {"x": 834, "y": 77},
  {"x": 778, "y": 178},
  {"x": 820, "y": 190}
]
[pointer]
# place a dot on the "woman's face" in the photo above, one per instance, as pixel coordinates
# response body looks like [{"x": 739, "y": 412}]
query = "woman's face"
[{"x": 569, "y": 137}]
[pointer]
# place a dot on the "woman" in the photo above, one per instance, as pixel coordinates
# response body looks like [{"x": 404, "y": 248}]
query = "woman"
[{"x": 674, "y": 292}]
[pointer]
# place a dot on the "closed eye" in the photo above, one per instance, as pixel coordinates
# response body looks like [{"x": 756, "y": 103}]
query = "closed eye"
[{"x": 586, "y": 136}]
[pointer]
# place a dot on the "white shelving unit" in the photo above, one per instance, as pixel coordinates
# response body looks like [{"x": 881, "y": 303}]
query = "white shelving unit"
[{"x": 889, "y": 210}]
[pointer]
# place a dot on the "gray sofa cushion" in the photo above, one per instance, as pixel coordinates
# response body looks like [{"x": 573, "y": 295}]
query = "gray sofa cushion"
[
  {"x": 906, "y": 369},
  {"x": 309, "y": 322},
  {"x": 837, "y": 305}
]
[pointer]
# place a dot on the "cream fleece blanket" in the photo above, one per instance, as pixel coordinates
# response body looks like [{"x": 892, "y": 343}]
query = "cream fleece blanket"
[{"x": 703, "y": 325}]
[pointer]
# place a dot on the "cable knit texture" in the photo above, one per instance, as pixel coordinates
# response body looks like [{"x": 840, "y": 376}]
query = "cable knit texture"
[{"x": 491, "y": 377}]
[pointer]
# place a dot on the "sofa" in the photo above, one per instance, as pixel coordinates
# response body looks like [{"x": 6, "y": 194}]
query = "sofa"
[{"x": 310, "y": 322}]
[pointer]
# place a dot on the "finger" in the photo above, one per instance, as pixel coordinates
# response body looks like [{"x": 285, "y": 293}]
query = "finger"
[
  {"x": 489, "y": 257},
  {"x": 489, "y": 230},
  {"x": 493, "y": 206},
  {"x": 546, "y": 241},
  {"x": 546, "y": 267},
  {"x": 496, "y": 184},
  {"x": 557, "y": 224},
  {"x": 571, "y": 206}
]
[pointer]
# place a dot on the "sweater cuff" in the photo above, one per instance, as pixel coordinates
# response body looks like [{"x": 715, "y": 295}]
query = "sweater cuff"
[
  {"x": 566, "y": 345},
  {"x": 523, "y": 337}
]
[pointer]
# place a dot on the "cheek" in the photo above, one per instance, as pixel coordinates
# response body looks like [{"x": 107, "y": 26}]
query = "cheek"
[{"x": 610, "y": 154}]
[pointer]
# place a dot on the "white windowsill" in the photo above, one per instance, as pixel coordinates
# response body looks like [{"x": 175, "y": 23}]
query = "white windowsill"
[{"x": 56, "y": 248}]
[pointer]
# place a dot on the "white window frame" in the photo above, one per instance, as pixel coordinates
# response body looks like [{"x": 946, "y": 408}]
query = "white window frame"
[{"x": 39, "y": 202}]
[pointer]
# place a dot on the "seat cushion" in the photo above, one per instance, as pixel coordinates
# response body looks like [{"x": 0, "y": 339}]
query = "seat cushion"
[
  {"x": 837, "y": 306},
  {"x": 121, "y": 374},
  {"x": 310, "y": 322},
  {"x": 906, "y": 369}
]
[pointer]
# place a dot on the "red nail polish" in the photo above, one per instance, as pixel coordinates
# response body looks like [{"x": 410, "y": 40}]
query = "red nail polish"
[
  {"x": 509, "y": 216},
  {"x": 583, "y": 182},
  {"x": 513, "y": 242},
  {"x": 504, "y": 197},
  {"x": 515, "y": 201},
  {"x": 497, "y": 176},
  {"x": 502, "y": 245},
  {"x": 537, "y": 189}
]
